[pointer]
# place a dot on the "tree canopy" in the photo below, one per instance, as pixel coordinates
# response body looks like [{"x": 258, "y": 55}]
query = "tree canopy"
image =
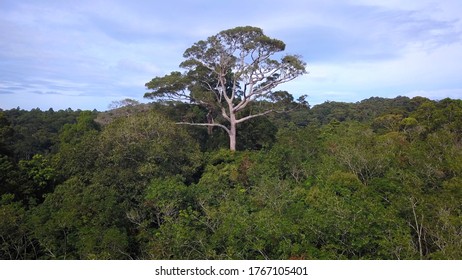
[
  {"x": 377, "y": 179},
  {"x": 230, "y": 71}
]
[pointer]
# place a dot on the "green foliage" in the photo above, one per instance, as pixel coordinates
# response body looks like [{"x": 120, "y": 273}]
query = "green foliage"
[
  {"x": 165, "y": 198},
  {"x": 77, "y": 149},
  {"x": 15, "y": 241},
  {"x": 81, "y": 221},
  {"x": 147, "y": 145},
  {"x": 72, "y": 133},
  {"x": 38, "y": 178},
  {"x": 35, "y": 131},
  {"x": 348, "y": 223},
  {"x": 38, "y": 170},
  {"x": 6, "y": 133},
  {"x": 8, "y": 177},
  {"x": 378, "y": 179}
]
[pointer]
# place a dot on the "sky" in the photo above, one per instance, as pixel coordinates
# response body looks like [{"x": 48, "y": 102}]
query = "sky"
[{"x": 86, "y": 54}]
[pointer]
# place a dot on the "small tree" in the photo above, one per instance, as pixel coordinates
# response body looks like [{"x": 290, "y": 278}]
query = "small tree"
[{"x": 229, "y": 72}]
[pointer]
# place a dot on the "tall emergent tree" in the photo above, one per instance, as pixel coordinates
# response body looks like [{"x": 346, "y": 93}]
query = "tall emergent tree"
[{"x": 231, "y": 71}]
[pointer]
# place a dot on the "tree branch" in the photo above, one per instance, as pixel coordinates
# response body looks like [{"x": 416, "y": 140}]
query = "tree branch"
[
  {"x": 224, "y": 114},
  {"x": 206, "y": 124},
  {"x": 254, "y": 116}
]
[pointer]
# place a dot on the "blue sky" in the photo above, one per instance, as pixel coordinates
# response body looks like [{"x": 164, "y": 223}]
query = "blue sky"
[{"x": 85, "y": 54}]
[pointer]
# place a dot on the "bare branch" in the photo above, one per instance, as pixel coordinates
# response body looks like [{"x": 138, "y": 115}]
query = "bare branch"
[
  {"x": 206, "y": 124},
  {"x": 224, "y": 114},
  {"x": 254, "y": 116}
]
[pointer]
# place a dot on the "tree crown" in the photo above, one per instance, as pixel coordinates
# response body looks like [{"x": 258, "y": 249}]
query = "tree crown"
[{"x": 236, "y": 63}]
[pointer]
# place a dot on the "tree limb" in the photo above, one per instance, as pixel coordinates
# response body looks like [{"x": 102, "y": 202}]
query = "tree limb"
[
  {"x": 254, "y": 116},
  {"x": 206, "y": 124}
]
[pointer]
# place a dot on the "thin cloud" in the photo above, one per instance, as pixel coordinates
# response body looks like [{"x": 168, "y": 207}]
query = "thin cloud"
[
  {"x": 439, "y": 94},
  {"x": 108, "y": 51}
]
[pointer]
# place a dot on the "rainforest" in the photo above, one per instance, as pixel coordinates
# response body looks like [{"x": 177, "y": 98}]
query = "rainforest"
[{"x": 376, "y": 179}]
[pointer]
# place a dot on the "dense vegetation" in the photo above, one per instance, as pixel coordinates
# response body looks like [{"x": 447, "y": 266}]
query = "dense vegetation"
[{"x": 377, "y": 179}]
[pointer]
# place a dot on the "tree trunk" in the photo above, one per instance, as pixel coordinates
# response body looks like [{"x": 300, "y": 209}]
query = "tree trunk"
[
  {"x": 232, "y": 133},
  {"x": 418, "y": 227}
]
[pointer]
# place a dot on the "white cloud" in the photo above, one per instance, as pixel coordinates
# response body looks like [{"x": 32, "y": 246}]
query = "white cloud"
[{"x": 354, "y": 49}]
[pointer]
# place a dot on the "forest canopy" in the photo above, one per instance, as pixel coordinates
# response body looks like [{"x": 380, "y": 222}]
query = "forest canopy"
[{"x": 376, "y": 179}]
